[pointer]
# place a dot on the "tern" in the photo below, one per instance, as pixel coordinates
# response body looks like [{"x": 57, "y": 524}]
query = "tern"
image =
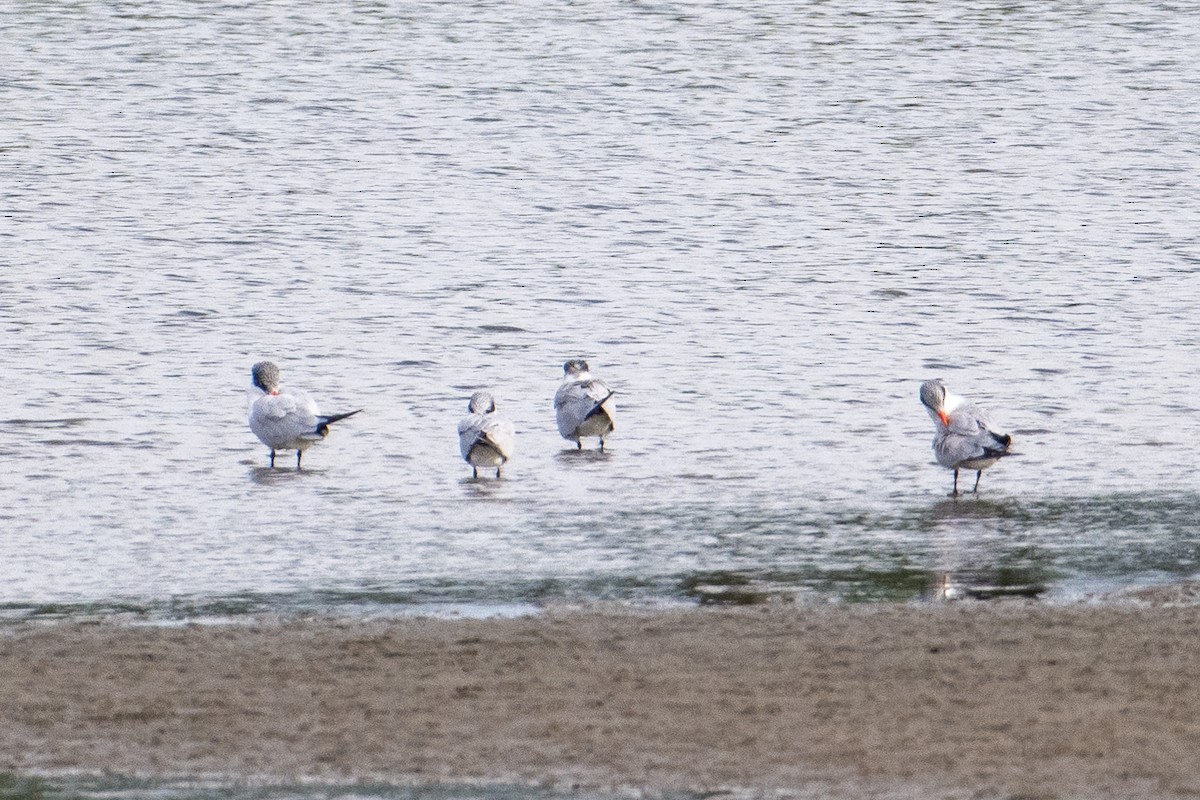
[
  {"x": 583, "y": 404},
  {"x": 965, "y": 437},
  {"x": 485, "y": 438},
  {"x": 284, "y": 419}
]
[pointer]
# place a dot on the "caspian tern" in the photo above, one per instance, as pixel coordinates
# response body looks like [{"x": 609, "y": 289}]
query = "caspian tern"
[
  {"x": 583, "y": 405},
  {"x": 485, "y": 438},
  {"x": 965, "y": 437},
  {"x": 284, "y": 419}
]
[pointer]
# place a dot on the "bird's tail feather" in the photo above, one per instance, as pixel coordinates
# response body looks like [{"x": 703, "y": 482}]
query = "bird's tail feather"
[
  {"x": 329, "y": 418},
  {"x": 323, "y": 422},
  {"x": 599, "y": 407}
]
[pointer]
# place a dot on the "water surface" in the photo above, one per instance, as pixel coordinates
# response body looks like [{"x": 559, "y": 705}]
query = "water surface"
[{"x": 764, "y": 224}]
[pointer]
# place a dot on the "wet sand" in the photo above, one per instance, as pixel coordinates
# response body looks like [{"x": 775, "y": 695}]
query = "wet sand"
[{"x": 964, "y": 700}]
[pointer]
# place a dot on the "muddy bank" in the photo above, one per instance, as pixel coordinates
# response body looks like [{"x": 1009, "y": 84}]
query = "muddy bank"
[{"x": 969, "y": 700}]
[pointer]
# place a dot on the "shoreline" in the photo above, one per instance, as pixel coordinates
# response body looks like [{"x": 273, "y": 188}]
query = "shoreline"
[{"x": 956, "y": 700}]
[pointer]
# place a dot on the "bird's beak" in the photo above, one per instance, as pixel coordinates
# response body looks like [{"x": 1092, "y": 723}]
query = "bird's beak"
[{"x": 944, "y": 417}]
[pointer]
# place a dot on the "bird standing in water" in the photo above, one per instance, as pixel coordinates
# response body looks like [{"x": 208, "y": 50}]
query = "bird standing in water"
[
  {"x": 485, "y": 438},
  {"x": 583, "y": 405},
  {"x": 965, "y": 437},
  {"x": 284, "y": 419}
]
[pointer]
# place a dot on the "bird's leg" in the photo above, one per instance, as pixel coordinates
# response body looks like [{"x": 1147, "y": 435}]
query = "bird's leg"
[
  {"x": 955, "y": 492},
  {"x": 579, "y": 444},
  {"x": 298, "y": 454},
  {"x": 978, "y": 472},
  {"x": 602, "y": 444},
  {"x": 272, "y": 459},
  {"x": 474, "y": 472},
  {"x": 497, "y": 473}
]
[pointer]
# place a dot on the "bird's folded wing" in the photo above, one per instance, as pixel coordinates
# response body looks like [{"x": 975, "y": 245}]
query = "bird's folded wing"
[
  {"x": 968, "y": 420},
  {"x": 956, "y": 447},
  {"x": 501, "y": 435},
  {"x": 283, "y": 417},
  {"x": 572, "y": 404},
  {"x": 469, "y": 432}
]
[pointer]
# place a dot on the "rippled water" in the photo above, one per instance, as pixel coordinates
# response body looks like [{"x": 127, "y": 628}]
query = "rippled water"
[{"x": 764, "y": 224}]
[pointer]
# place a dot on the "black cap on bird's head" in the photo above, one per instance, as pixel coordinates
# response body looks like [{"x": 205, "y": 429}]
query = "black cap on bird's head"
[
  {"x": 481, "y": 403},
  {"x": 933, "y": 397},
  {"x": 933, "y": 394},
  {"x": 575, "y": 366},
  {"x": 265, "y": 376}
]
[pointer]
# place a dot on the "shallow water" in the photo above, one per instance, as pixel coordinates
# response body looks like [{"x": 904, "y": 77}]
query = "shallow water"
[{"x": 763, "y": 224}]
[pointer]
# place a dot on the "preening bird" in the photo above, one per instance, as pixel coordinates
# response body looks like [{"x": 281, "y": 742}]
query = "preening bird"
[
  {"x": 485, "y": 439},
  {"x": 966, "y": 437},
  {"x": 285, "y": 419},
  {"x": 583, "y": 405}
]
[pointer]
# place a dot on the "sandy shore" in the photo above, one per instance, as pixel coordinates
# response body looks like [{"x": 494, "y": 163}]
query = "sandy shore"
[{"x": 969, "y": 700}]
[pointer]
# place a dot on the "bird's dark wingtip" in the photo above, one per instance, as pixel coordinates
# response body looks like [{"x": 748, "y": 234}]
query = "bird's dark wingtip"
[{"x": 337, "y": 417}]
